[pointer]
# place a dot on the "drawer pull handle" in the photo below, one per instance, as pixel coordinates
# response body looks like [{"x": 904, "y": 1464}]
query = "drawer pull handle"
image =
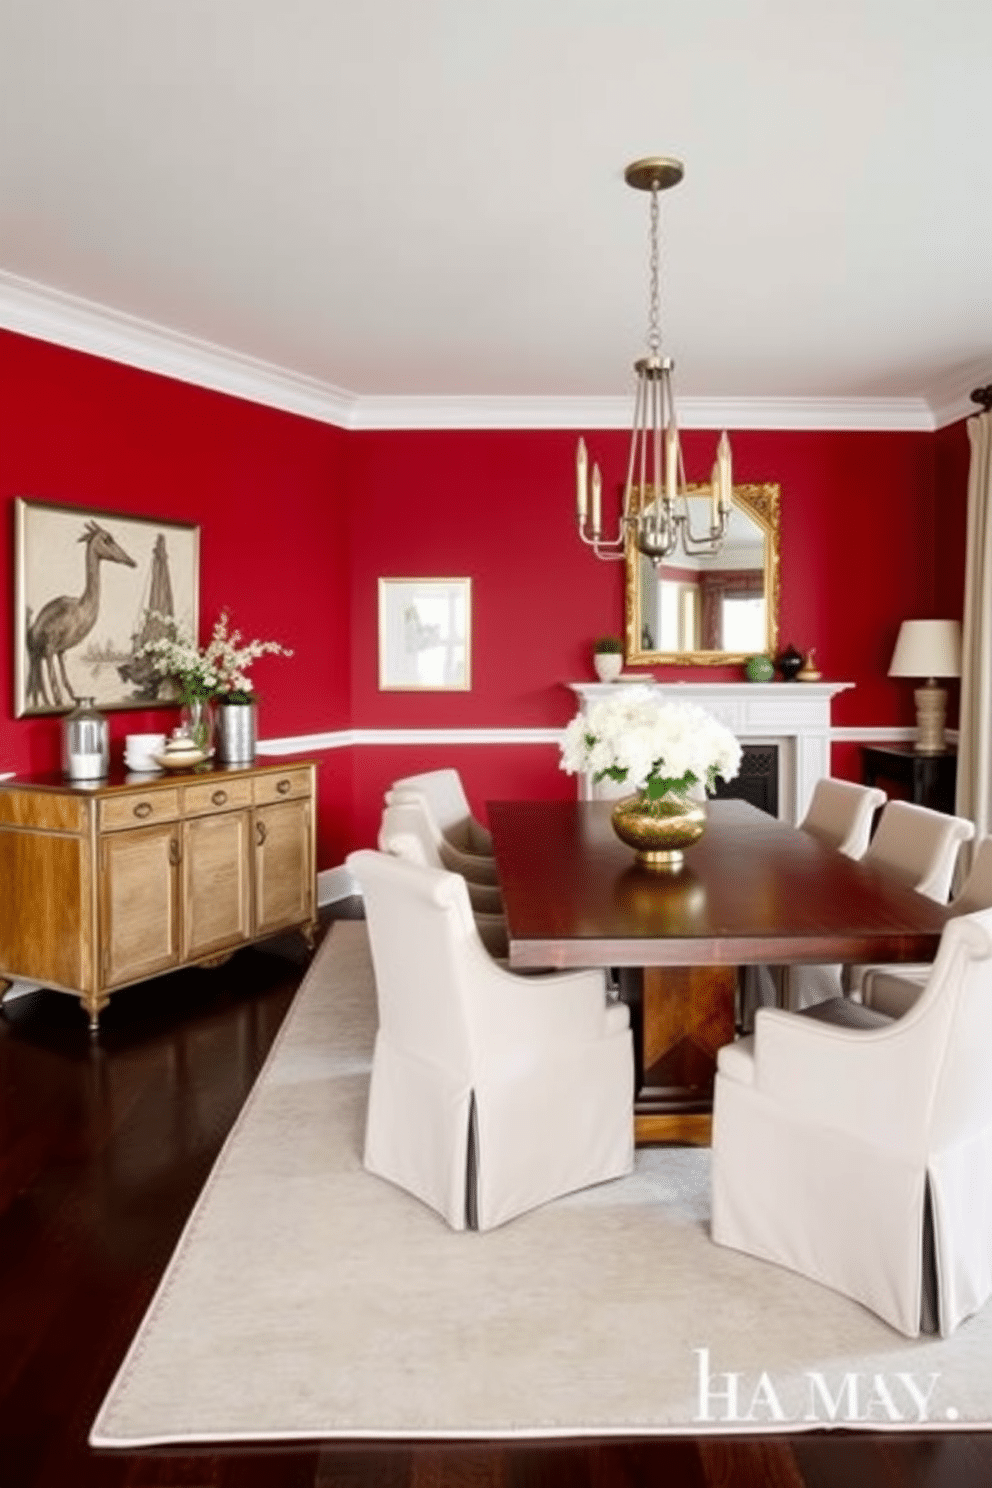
[
  {"x": 143, "y": 809},
  {"x": 284, "y": 786},
  {"x": 260, "y": 832},
  {"x": 219, "y": 797},
  {"x": 173, "y": 851}
]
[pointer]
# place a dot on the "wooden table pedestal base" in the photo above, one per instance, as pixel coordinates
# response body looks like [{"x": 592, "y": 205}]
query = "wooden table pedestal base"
[{"x": 680, "y": 1016}]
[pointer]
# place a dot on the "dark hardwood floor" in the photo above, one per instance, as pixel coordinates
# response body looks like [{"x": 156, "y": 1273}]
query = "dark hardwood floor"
[{"x": 104, "y": 1146}]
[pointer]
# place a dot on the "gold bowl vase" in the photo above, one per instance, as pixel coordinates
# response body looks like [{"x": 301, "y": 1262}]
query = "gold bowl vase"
[{"x": 658, "y": 831}]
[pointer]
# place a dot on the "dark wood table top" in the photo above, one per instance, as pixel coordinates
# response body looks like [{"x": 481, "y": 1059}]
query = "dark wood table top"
[{"x": 752, "y": 890}]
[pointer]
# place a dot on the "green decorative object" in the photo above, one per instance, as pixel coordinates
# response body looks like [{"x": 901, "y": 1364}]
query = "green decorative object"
[{"x": 759, "y": 669}]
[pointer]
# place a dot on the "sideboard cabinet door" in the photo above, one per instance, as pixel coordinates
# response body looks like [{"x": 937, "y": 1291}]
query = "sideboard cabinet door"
[
  {"x": 216, "y": 883},
  {"x": 139, "y": 902},
  {"x": 284, "y": 871}
]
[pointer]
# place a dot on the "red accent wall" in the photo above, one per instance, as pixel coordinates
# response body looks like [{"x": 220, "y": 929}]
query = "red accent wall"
[
  {"x": 858, "y": 532},
  {"x": 299, "y": 520},
  {"x": 265, "y": 487}
]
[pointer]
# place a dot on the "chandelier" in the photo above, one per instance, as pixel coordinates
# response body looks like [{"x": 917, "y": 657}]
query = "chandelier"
[{"x": 656, "y": 510}]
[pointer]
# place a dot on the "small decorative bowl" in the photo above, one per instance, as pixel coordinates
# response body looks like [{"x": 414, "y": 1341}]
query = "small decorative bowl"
[{"x": 181, "y": 759}]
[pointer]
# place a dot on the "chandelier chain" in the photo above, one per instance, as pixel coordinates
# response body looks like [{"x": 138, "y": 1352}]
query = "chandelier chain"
[{"x": 654, "y": 317}]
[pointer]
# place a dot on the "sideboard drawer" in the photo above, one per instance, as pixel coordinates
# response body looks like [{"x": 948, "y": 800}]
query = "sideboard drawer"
[
  {"x": 216, "y": 795},
  {"x": 284, "y": 785},
  {"x": 138, "y": 809}
]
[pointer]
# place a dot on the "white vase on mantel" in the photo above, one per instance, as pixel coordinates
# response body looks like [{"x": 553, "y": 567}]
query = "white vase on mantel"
[{"x": 608, "y": 664}]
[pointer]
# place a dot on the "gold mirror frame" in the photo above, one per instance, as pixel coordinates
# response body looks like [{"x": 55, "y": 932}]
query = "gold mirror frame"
[{"x": 761, "y": 504}]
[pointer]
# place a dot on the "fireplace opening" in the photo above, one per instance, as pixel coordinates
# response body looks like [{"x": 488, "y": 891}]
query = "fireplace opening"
[{"x": 757, "y": 781}]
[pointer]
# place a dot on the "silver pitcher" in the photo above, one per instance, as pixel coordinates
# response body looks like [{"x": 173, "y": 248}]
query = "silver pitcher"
[{"x": 85, "y": 742}]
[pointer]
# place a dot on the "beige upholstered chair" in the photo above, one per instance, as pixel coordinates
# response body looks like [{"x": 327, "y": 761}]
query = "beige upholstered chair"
[
  {"x": 919, "y": 847},
  {"x": 840, "y": 815},
  {"x": 914, "y": 845},
  {"x": 894, "y": 989},
  {"x": 445, "y": 794},
  {"x": 477, "y": 867},
  {"x": 490, "y": 1093},
  {"x": 404, "y": 833},
  {"x": 862, "y": 1158}
]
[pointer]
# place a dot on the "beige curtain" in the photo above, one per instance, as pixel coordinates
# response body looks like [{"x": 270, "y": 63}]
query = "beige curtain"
[{"x": 974, "y": 788}]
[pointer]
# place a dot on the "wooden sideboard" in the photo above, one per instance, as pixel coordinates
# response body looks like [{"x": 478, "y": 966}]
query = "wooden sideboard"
[{"x": 108, "y": 884}]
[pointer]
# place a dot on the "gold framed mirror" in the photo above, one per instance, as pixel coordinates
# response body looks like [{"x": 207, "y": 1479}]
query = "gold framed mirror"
[{"x": 713, "y": 610}]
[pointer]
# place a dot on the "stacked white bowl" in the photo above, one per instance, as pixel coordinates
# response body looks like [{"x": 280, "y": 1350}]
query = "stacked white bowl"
[{"x": 140, "y": 751}]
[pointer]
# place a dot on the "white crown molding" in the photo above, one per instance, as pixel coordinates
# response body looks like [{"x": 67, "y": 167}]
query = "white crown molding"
[
  {"x": 949, "y": 396},
  {"x": 956, "y": 409},
  {"x": 898, "y": 414},
  {"x": 878, "y": 414},
  {"x": 47, "y": 314},
  {"x": 83, "y": 325}
]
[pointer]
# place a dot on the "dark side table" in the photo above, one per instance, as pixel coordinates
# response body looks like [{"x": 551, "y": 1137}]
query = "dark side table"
[{"x": 928, "y": 779}]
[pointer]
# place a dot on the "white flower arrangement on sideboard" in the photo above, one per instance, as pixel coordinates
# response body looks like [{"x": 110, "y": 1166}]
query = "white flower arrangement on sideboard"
[{"x": 219, "y": 671}]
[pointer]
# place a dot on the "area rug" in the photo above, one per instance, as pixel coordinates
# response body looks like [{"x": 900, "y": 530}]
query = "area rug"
[{"x": 308, "y": 1299}]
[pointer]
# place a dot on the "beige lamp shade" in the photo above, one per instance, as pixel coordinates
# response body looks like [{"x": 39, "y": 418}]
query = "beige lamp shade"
[
  {"x": 927, "y": 648},
  {"x": 930, "y": 649}
]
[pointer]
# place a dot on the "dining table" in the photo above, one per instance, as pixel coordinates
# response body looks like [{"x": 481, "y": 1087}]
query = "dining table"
[{"x": 753, "y": 891}]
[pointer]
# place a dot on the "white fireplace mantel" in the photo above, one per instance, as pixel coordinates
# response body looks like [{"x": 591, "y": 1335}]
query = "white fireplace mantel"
[{"x": 793, "y": 715}]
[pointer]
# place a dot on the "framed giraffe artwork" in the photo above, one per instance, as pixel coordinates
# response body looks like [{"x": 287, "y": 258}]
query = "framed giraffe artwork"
[{"x": 90, "y": 589}]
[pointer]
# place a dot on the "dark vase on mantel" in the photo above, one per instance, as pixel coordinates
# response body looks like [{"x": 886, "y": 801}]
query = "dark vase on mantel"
[{"x": 789, "y": 662}]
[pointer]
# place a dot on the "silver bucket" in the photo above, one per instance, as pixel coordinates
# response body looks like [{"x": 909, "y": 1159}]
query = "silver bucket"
[{"x": 237, "y": 733}]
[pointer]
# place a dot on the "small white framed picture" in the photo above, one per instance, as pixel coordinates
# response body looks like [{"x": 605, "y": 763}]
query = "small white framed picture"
[{"x": 425, "y": 635}]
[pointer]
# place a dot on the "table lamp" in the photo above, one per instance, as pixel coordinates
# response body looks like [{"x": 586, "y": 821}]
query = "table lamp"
[{"x": 930, "y": 649}]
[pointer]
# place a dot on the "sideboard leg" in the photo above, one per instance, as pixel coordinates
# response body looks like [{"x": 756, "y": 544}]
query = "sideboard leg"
[{"x": 93, "y": 1007}]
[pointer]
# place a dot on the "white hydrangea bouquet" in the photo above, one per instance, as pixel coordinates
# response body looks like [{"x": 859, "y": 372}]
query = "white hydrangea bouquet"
[{"x": 659, "y": 748}]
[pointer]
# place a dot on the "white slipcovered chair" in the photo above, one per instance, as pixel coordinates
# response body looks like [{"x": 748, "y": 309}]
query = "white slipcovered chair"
[
  {"x": 476, "y": 867},
  {"x": 916, "y": 847},
  {"x": 894, "y": 989},
  {"x": 445, "y": 794},
  {"x": 840, "y": 815},
  {"x": 490, "y": 1093},
  {"x": 406, "y": 829},
  {"x": 404, "y": 833},
  {"x": 862, "y": 1157}
]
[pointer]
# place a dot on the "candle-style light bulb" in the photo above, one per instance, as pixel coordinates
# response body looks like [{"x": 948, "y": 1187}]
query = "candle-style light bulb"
[
  {"x": 671, "y": 463},
  {"x": 716, "y": 493},
  {"x": 581, "y": 466},
  {"x": 597, "y": 498},
  {"x": 726, "y": 477}
]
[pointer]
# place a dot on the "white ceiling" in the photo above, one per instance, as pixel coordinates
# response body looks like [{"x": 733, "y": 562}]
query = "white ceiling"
[{"x": 424, "y": 199}]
